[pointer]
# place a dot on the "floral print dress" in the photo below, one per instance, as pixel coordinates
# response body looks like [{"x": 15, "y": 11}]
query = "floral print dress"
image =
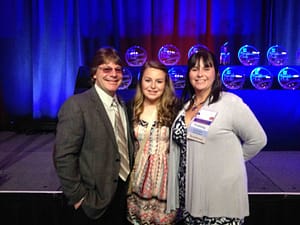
[{"x": 148, "y": 185}]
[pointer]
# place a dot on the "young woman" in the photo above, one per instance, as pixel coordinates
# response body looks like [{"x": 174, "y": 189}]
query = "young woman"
[{"x": 154, "y": 108}]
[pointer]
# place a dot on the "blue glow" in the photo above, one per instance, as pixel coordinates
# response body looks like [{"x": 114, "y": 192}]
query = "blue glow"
[{"x": 44, "y": 43}]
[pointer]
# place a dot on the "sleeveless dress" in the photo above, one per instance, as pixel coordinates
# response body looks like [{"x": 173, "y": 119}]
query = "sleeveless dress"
[
  {"x": 179, "y": 135},
  {"x": 148, "y": 182}
]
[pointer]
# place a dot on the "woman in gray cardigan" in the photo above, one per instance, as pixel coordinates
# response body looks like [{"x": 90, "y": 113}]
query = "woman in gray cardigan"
[{"x": 211, "y": 138}]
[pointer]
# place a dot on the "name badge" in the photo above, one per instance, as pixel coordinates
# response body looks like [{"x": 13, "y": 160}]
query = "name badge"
[{"x": 200, "y": 124}]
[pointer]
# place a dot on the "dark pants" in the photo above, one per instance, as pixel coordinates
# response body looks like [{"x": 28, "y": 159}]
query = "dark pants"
[{"x": 115, "y": 213}]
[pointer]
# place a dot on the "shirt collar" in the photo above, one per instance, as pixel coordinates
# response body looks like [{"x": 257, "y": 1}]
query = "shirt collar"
[{"x": 106, "y": 98}]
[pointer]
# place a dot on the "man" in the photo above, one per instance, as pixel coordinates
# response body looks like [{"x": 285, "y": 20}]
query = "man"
[{"x": 87, "y": 158}]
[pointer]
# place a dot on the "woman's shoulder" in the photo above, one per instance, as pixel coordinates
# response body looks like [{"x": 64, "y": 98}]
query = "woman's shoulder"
[{"x": 230, "y": 97}]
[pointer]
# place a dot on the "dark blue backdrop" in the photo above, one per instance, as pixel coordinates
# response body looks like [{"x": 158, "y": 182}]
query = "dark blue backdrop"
[{"x": 43, "y": 43}]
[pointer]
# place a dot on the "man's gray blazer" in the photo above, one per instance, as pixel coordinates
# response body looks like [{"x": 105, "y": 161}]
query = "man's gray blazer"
[{"x": 86, "y": 154}]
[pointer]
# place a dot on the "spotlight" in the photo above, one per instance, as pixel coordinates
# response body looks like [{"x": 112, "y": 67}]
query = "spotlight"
[
  {"x": 261, "y": 78},
  {"x": 177, "y": 74},
  {"x": 277, "y": 55},
  {"x": 232, "y": 78},
  {"x": 169, "y": 55},
  {"x": 289, "y": 78},
  {"x": 195, "y": 48},
  {"x": 249, "y": 55},
  {"x": 127, "y": 79},
  {"x": 136, "y": 56}
]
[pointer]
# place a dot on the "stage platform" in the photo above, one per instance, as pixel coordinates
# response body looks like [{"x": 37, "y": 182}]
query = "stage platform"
[{"x": 30, "y": 190}]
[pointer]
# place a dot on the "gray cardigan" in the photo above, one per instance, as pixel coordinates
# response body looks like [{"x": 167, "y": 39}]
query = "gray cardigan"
[{"x": 216, "y": 179}]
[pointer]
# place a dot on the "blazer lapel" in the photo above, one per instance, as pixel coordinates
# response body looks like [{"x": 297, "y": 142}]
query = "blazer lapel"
[{"x": 99, "y": 106}]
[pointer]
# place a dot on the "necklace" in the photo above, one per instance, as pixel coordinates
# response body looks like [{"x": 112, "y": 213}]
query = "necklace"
[{"x": 195, "y": 106}]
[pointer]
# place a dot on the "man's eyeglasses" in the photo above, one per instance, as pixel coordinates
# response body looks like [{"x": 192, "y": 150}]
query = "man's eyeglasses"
[{"x": 109, "y": 70}]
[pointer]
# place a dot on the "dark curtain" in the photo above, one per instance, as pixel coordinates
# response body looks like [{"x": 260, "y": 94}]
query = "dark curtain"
[{"x": 43, "y": 42}]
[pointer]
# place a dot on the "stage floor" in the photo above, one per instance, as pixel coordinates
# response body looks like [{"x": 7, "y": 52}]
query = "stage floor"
[{"x": 26, "y": 166}]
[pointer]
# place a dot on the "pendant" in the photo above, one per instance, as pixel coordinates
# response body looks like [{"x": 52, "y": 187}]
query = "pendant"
[{"x": 194, "y": 107}]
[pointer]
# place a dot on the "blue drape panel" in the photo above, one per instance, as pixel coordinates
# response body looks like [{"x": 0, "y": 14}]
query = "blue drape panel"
[
  {"x": 55, "y": 53},
  {"x": 40, "y": 53},
  {"x": 286, "y": 26},
  {"x": 43, "y": 42}
]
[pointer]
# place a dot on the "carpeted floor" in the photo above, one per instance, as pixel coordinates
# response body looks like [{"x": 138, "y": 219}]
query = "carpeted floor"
[{"x": 26, "y": 166}]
